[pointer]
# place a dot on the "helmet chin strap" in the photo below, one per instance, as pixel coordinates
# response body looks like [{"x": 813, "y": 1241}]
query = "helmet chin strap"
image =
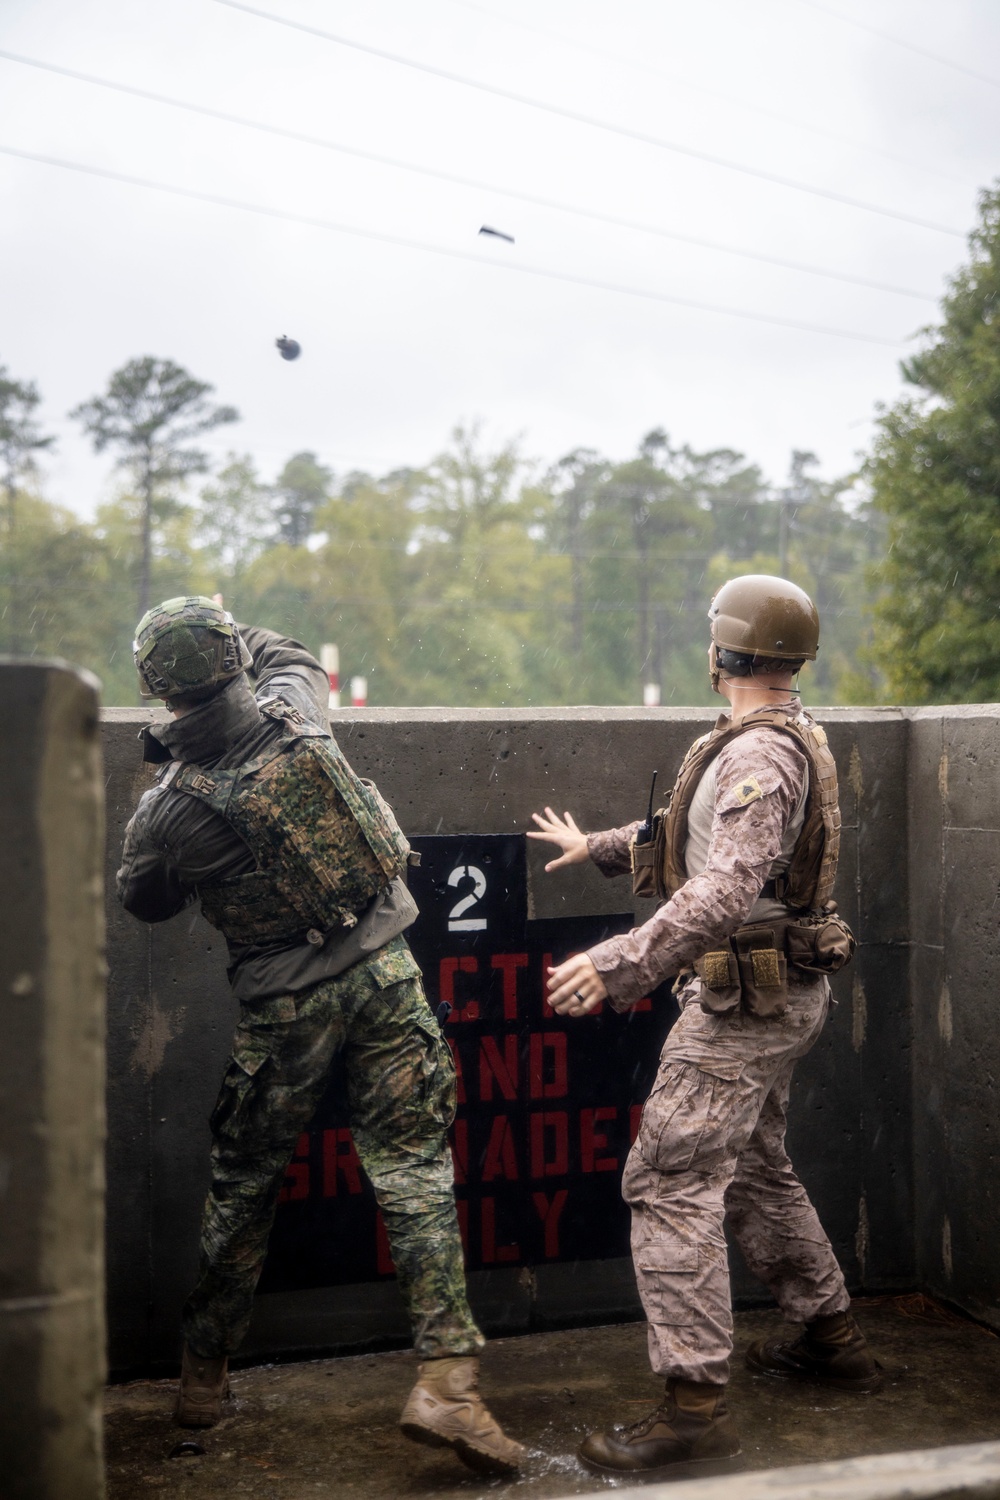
[
  {"x": 788, "y": 692},
  {"x": 715, "y": 677}
]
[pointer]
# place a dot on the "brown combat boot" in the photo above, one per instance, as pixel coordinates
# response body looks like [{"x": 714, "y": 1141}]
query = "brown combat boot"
[
  {"x": 445, "y": 1410},
  {"x": 690, "y": 1434},
  {"x": 204, "y": 1386},
  {"x": 830, "y": 1351}
]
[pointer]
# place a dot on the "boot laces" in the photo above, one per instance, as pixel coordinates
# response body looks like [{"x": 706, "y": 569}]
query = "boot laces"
[{"x": 662, "y": 1413}]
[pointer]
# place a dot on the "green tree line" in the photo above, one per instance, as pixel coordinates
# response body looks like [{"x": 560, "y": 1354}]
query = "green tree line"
[{"x": 478, "y": 578}]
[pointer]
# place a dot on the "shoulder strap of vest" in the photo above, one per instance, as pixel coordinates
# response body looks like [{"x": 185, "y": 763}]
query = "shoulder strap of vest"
[
  {"x": 215, "y": 787},
  {"x": 810, "y": 877},
  {"x": 211, "y": 787},
  {"x": 675, "y": 822},
  {"x": 803, "y": 729},
  {"x": 812, "y": 870},
  {"x": 696, "y": 763},
  {"x": 292, "y": 719}
]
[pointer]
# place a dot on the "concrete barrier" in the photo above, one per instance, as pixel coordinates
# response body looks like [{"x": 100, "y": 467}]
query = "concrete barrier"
[
  {"x": 482, "y": 772},
  {"x": 52, "y": 1359},
  {"x": 969, "y": 1470},
  {"x": 954, "y": 873}
]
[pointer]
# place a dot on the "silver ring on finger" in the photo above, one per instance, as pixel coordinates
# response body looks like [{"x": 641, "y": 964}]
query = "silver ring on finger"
[{"x": 583, "y": 998}]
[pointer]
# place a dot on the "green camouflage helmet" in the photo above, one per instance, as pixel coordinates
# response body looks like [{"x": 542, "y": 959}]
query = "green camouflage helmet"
[{"x": 187, "y": 647}]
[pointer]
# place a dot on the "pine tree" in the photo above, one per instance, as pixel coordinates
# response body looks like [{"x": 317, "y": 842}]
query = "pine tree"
[
  {"x": 150, "y": 412},
  {"x": 935, "y": 474}
]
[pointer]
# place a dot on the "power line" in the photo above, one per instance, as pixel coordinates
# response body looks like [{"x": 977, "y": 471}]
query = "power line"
[
  {"x": 484, "y": 552},
  {"x": 898, "y": 41},
  {"x": 432, "y": 552},
  {"x": 543, "y": 605},
  {"x": 700, "y": 88},
  {"x": 536, "y": 201},
  {"x": 463, "y": 255},
  {"x": 593, "y": 121}
]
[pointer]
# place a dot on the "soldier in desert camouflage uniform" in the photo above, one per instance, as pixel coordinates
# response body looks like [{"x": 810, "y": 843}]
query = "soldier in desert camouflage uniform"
[
  {"x": 743, "y": 860},
  {"x": 257, "y": 814}
]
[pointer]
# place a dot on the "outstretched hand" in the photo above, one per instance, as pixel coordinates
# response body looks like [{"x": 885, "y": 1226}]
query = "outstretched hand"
[{"x": 564, "y": 832}]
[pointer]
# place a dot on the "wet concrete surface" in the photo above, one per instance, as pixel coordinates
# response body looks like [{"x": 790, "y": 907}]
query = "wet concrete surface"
[{"x": 327, "y": 1427}]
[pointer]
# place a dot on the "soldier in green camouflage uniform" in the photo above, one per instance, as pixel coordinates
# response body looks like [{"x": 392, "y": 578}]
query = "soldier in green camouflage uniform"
[{"x": 257, "y": 814}]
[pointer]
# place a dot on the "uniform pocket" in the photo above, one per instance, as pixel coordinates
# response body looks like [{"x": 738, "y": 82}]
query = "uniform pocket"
[
  {"x": 720, "y": 981},
  {"x": 230, "y": 1106},
  {"x": 255, "y": 1044},
  {"x": 392, "y": 964},
  {"x": 730, "y": 1068},
  {"x": 440, "y": 1089},
  {"x": 253, "y": 1047},
  {"x": 763, "y": 970},
  {"x": 693, "y": 1117},
  {"x": 403, "y": 1094},
  {"x": 665, "y": 1297}
]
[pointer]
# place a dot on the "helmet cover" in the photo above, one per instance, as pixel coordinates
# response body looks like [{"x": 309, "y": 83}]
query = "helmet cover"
[{"x": 187, "y": 647}]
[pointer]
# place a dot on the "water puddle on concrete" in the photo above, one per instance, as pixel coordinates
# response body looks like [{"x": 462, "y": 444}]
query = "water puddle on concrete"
[{"x": 328, "y": 1427}]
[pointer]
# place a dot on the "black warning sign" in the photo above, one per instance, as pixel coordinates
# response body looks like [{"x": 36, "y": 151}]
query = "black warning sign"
[{"x": 548, "y": 1105}]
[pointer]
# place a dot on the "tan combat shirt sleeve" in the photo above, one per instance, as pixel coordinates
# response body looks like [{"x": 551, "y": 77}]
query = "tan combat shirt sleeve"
[
  {"x": 760, "y": 777},
  {"x": 610, "y": 850}
]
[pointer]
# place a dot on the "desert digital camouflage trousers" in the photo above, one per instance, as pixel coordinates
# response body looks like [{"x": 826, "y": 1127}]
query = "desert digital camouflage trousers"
[
  {"x": 712, "y": 1143},
  {"x": 401, "y": 1096}
]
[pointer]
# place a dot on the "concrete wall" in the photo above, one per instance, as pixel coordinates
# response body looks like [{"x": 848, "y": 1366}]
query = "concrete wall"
[
  {"x": 51, "y": 1085},
  {"x": 463, "y": 771},
  {"x": 954, "y": 859}
]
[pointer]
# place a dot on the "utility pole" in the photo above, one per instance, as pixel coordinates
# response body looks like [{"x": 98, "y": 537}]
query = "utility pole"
[
  {"x": 795, "y": 493},
  {"x": 785, "y": 501},
  {"x": 574, "y": 507},
  {"x": 146, "y": 532}
]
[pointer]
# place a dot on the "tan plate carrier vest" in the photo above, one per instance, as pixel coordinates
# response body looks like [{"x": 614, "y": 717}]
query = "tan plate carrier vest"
[
  {"x": 324, "y": 840},
  {"x": 658, "y": 867}
]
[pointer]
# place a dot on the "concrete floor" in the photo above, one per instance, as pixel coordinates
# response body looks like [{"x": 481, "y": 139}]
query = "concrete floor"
[{"x": 328, "y": 1427}]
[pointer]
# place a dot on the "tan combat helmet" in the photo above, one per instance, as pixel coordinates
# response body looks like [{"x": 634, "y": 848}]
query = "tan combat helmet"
[{"x": 761, "y": 618}]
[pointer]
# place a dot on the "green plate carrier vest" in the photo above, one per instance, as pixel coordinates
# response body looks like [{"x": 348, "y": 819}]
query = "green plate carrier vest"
[
  {"x": 658, "y": 867},
  {"x": 324, "y": 840}
]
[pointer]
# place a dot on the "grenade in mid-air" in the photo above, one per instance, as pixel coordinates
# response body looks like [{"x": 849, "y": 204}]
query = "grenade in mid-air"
[{"x": 288, "y": 348}]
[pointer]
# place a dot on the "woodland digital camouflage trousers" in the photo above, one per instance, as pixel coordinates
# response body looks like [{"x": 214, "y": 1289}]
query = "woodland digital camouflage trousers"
[
  {"x": 401, "y": 1096},
  {"x": 711, "y": 1145}
]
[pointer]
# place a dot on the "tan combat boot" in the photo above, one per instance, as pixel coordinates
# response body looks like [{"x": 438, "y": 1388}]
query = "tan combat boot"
[
  {"x": 690, "y": 1434},
  {"x": 830, "y": 1351},
  {"x": 204, "y": 1386},
  {"x": 445, "y": 1410}
]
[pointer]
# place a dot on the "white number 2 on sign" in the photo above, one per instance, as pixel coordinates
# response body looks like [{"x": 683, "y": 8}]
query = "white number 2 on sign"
[{"x": 456, "y": 921}]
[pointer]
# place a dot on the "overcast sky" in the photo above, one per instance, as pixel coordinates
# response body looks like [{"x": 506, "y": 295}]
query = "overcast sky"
[{"x": 401, "y": 342}]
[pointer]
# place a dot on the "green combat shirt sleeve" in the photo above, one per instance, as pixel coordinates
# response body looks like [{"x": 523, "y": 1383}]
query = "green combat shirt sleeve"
[
  {"x": 149, "y": 884},
  {"x": 284, "y": 668}
]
